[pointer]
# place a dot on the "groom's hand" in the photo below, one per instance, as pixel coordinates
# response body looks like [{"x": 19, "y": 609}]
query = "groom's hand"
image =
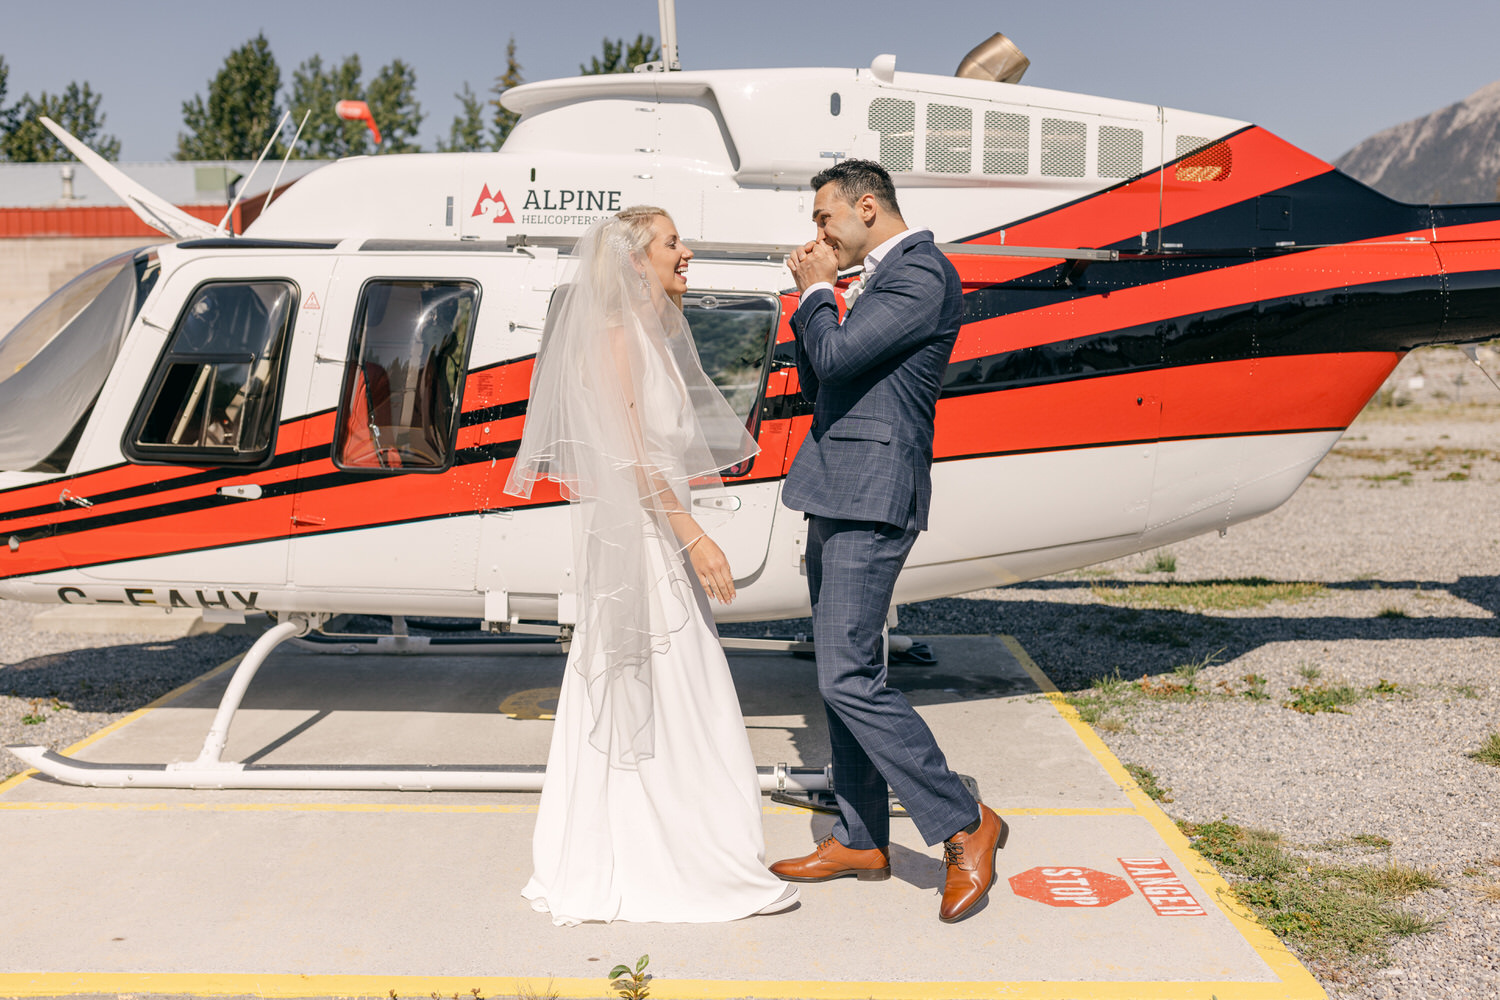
[{"x": 811, "y": 263}]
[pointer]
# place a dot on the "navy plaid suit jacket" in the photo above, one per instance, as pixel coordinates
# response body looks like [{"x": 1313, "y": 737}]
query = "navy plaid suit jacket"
[{"x": 874, "y": 381}]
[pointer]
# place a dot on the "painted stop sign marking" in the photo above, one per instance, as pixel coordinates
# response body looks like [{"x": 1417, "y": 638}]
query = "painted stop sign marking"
[{"x": 1070, "y": 886}]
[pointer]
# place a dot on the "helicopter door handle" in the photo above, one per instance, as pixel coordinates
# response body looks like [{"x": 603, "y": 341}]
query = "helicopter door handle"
[
  {"x": 718, "y": 503},
  {"x": 68, "y": 496},
  {"x": 241, "y": 491}
]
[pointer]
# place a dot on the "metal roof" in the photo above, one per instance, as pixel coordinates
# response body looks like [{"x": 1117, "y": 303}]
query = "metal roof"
[{"x": 182, "y": 182}]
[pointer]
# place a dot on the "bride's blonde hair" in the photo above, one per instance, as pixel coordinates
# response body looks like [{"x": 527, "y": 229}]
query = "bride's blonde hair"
[{"x": 638, "y": 231}]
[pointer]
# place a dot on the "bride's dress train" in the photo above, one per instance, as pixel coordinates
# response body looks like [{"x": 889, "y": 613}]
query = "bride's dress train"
[{"x": 678, "y": 838}]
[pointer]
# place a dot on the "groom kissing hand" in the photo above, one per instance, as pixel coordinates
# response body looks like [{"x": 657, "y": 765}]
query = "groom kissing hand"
[{"x": 863, "y": 477}]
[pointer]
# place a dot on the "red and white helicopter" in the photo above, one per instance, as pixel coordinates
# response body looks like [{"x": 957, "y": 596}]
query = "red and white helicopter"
[{"x": 1170, "y": 318}]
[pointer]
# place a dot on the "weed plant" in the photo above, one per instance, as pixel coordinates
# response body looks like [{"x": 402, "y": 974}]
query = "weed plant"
[
  {"x": 1489, "y": 752},
  {"x": 1154, "y": 790},
  {"x": 632, "y": 984},
  {"x": 1328, "y": 911}
]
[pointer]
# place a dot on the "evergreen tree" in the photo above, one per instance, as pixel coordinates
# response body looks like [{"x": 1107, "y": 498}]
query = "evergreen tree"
[
  {"x": 502, "y": 121},
  {"x": 622, "y": 58},
  {"x": 241, "y": 110},
  {"x": 75, "y": 109},
  {"x": 392, "y": 97},
  {"x": 466, "y": 134},
  {"x": 316, "y": 90},
  {"x": 7, "y": 115}
]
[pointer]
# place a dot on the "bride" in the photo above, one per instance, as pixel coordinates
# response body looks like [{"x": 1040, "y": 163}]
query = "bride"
[{"x": 651, "y": 809}]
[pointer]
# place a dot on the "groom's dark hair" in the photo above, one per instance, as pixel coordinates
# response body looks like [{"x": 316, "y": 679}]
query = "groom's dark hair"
[{"x": 857, "y": 178}]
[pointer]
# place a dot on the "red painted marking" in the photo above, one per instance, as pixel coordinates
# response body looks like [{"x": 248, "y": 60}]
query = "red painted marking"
[
  {"x": 493, "y": 205},
  {"x": 1070, "y": 886},
  {"x": 1161, "y": 887},
  {"x": 312, "y": 301}
]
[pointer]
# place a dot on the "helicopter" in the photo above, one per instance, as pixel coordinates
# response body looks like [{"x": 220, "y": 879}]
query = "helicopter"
[{"x": 1170, "y": 318}]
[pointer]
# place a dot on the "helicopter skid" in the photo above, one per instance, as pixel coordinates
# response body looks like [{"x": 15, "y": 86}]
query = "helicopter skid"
[{"x": 210, "y": 771}]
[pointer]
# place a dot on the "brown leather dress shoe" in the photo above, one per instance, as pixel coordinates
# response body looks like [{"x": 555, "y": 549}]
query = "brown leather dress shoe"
[
  {"x": 833, "y": 860},
  {"x": 970, "y": 860}
]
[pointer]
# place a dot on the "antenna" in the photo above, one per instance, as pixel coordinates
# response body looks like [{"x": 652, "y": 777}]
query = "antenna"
[
  {"x": 271, "y": 194},
  {"x": 269, "y": 143},
  {"x": 667, "y": 12}
]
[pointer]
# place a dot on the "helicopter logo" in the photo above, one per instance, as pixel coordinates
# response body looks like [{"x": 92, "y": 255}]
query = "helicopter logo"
[{"x": 493, "y": 205}]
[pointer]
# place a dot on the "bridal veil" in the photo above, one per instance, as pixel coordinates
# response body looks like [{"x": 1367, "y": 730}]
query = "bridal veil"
[{"x": 622, "y": 416}]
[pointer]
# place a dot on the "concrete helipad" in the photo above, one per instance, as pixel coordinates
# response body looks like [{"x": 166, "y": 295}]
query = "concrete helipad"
[{"x": 288, "y": 894}]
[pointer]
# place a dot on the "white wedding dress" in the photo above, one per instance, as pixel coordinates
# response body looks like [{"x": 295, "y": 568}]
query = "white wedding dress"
[{"x": 678, "y": 838}]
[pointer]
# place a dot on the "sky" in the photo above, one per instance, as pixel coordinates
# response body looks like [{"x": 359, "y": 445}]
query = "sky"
[{"x": 1323, "y": 74}]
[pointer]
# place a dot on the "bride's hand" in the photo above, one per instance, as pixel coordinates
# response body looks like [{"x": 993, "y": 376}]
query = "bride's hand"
[{"x": 712, "y": 569}]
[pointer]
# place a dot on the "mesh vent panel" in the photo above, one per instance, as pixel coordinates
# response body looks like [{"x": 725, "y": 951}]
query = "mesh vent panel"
[
  {"x": 1064, "y": 147},
  {"x": 1007, "y": 143},
  {"x": 1121, "y": 151},
  {"x": 950, "y": 139},
  {"x": 1203, "y": 160},
  {"x": 896, "y": 122}
]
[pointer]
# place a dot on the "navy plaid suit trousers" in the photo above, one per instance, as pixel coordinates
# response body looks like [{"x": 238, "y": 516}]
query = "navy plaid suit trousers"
[{"x": 876, "y": 736}]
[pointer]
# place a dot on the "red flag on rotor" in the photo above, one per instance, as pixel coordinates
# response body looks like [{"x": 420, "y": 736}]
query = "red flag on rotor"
[{"x": 358, "y": 111}]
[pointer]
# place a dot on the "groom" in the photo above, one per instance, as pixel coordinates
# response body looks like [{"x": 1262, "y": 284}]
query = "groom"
[{"x": 863, "y": 477}]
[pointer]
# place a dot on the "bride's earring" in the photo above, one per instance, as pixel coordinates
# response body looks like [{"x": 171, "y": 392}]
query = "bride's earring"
[{"x": 645, "y": 282}]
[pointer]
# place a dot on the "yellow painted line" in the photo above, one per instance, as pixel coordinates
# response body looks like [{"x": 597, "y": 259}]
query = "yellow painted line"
[
  {"x": 517, "y": 808},
  {"x": 1282, "y": 962},
  {"x": 121, "y": 723},
  {"x": 663, "y": 988}
]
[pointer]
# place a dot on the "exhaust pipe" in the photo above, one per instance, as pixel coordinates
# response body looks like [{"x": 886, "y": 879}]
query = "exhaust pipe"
[{"x": 996, "y": 58}]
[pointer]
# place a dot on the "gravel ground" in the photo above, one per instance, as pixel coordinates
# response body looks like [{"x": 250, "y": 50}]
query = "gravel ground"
[{"x": 1402, "y": 525}]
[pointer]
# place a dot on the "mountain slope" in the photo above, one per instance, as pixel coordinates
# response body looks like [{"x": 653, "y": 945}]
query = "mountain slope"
[{"x": 1451, "y": 155}]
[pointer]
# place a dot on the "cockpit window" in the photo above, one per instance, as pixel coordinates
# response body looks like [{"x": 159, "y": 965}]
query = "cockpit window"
[
  {"x": 213, "y": 397},
  {"x": 55, "y": 361},
  {"x": 399, "y": 407}
]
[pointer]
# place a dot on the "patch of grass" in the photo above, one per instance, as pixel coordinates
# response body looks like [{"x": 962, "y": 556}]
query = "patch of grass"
[
  {"x": 1391, "y": 612},
  {"x": 1206, "y": 595},
  {"x": 1309, "y": 671},
  {"x": 1329, "y": 911},
  {"x": 1255, "y": 687},
  {"x": 1392, "y": 881},
  {"x": 1469, "y": 691},
  {"x": 1161, "y": 562},
  {"x": 1371, "y": 840},
  {"x": 1490, "y": 893},
  {"x": 1489, "y": 751},
  {"x": 1312, "y": 699},
  {"x": 1153, "y": 788},
  {"x": 1453, "y": 477},
  {"x": 1384, "y": 687}
]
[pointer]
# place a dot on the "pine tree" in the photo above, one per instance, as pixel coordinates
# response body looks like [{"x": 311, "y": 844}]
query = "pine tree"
[
  {"x": 75, "y": 109},
  {"x": 466, "y": 134},
  {"x": 392, "y": 97},
  {"x": 316, "y": 90},
  {"x": 241, "y": 110},
  {"x": 502, "y": 121},
  {"x": 622, "y": 58},
  {"x": 7, "y": 115}
]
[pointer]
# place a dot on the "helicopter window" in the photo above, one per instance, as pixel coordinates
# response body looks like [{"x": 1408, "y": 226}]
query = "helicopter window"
[
  {"x": 732, "y": 333},
  {"x": 1007, "y": 143},
  {"x": 54, "y": 363},
  {"x": 403, "y": 386},
  {"x": 1121, "y": 151},
  {"x": 950, "y": 139},
  {"x": 896, "y": 123},
  {"x": 1064, "y": 147},
  {"x": 213, "y": 397}
]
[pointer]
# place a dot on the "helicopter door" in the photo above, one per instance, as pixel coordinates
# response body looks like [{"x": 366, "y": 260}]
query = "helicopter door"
[
  {"x": 379, "y": 494},
  {"x": 197, "y": 390}
]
